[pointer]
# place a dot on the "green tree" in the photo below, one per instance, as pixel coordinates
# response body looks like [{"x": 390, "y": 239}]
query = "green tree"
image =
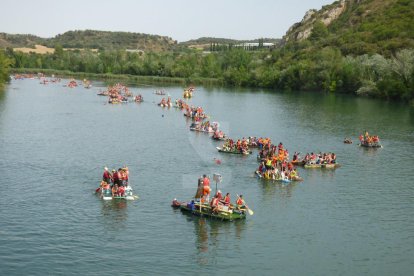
[
  {"x": 319, "y": 31},
  {"x": 5, "y": 63}
]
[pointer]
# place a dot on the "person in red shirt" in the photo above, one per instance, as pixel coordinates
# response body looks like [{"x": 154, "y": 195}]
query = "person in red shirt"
[
  {"x": 219, "y": 195},
  {"x": 214, "y": 205},
  {"x": 121, "y": 191},
  {"x": 227, "y": 200},
  {"x": 115, "y": 177},
  {"x": 106, "y": 176},
  {"x": 240, "y": 201}
]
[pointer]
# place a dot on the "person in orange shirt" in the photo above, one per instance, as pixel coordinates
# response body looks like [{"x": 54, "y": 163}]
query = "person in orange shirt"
[
  {"x": 240, "y": 201},
  {"x": 206, "y": 188}
]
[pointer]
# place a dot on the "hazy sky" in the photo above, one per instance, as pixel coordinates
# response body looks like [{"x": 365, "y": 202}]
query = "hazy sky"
[{"x": 179, "y": 19}]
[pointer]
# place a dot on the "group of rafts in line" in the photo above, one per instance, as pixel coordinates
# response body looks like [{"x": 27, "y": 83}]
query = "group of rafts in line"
[
  {"x": 218, "y": 207},
  {"x": 274, "y": 165},
  {"x": 274, "y": 160},
  {"x": 119, "y": 93}
]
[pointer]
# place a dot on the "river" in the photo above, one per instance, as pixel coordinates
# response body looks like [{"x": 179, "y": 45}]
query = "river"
[{"x": 55, "y": 142}]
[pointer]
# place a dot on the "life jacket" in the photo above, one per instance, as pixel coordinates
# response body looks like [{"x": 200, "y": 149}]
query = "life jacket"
[
  {"x": 115, "y": 176},
  {"x": 206, "y": 190}
]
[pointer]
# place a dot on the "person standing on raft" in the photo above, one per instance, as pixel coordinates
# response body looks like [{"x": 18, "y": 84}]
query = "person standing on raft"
[{"x": 206, "y": 187}]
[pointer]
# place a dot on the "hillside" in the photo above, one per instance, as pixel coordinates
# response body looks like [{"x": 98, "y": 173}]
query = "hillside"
[
  {"x": 358, "y": 26},
  {"x": 19, "y": 40},
  {"x": 112, "y": 40},
  {"x": 90, "y": 39}
]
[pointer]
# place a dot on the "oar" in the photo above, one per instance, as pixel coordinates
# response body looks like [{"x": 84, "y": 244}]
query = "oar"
[{"x": 247, "y": 207}]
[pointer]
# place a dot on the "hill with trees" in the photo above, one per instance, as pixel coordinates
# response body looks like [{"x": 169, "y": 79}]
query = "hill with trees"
[
  {"x": 91, "y": 39},
  {"x": 358, "y": 27},
  {"x": 19, "y": 40}
]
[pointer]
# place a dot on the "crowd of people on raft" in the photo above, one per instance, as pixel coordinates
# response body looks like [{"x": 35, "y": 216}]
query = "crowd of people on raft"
[
  {"x": 274, "y": 162},
  {"x": 159, "y": 92},
  {"x": 165, "y": 103},
  {"x": 241, "y": 145},
  {"x": 116, "y": 181},
  {"x": 316, "y": 159},
  {"x": 138, "y": 98},
  {"x": 188, "y": 93},
  {"x": 205, "y": 126},
  {"x": 219, "y": 135},
  {"x": 118, "y": 93},
  {"x": 196, "y": 113},
  {"x": 72, "y": 83},
  {"x": 218, "y": 202},
  {"x": 273, "y": 152},
  {"x": 366, "y": 139}
]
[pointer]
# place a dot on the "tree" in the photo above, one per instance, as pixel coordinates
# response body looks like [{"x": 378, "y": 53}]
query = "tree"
[
  {"x": 319, "y": 31},
  {"x": 4, "y": 67}
]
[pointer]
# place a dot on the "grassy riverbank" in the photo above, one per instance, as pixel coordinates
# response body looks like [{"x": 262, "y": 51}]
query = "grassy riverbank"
[{"x": 120, "y": 77}]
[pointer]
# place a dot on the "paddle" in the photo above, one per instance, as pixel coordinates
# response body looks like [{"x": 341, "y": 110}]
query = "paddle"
[{"x": 247, "y": 207}]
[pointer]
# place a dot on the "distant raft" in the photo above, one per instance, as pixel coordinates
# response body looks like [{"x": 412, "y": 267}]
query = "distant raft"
[
  {"x": 106, "y": 193},
  {"x": 224, "y": 150},
  {"x": 321, "y": 166},
  {"x": 370, "y": 145},
  {"x": 204, "y": 210}
]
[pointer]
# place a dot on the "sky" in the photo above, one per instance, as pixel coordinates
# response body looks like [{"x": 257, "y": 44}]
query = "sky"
[{"x": 181, "y": 20}]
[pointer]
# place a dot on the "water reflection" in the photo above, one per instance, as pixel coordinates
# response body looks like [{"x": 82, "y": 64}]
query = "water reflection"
[
  {"x": 370, "y": 151},
  {"x": 200, "y": 228},
  {"x": 210, "y": 235},
  {"x": 2, "y": 100},
  {"x": 115, "y": 213},
  {"x": 270, "y": 188}
]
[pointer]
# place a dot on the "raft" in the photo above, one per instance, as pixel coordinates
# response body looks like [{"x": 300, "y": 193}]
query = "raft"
[
  {"x": 106, "y": 194},
  {"x": 205, "y": 211},
  {"x": 370, "y": 145},
  {"x": 202, "y": 117},
  {"x": 201, "y": 130},
  {"x": 323, "y": 166},
  {"x": 224, "y": 138},
  {"x": 165, "y": 105},
  {"x": 298, "y": 162},
  {"x": 234, "y": 151},
  {"x": 187, "y": 94},
  {"x": 296, "y": 179}
]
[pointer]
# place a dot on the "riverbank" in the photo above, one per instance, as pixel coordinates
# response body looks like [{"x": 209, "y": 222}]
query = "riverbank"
[
  {"x": 133, "y": 79},
  {"x": 120, "y": 77}
]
